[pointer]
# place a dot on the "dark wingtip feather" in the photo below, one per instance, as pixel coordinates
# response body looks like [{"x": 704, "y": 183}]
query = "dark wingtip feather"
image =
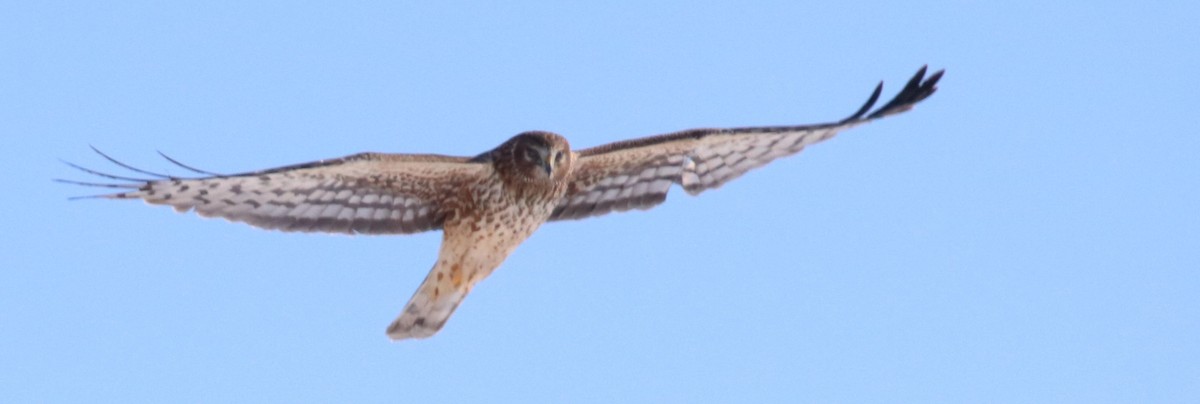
[
  {"x": 136, "y": 183},
  {"x": 101, "y": 174},
  {"x": 119, "y": 195},
  {"x": 129, "y": 167},
  {"x": 95, "y": 184},
  {"x": 917, "y": 89},
  {"x": 187, "y": 167},
  {"x": 100, "y": 196},
  {"x": 930, "y": 85},
  {"x": 866, "y": 105}
]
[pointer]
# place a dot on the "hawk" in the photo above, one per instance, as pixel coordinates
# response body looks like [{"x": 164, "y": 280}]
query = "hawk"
[{"x": 488, "y": 204}]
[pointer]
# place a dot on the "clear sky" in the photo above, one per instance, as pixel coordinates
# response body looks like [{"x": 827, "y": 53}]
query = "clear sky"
[{"x": 1029, "y": 234}]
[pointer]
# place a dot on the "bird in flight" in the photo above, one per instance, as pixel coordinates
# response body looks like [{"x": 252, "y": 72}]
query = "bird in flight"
[{"x": 488, "y": 204}]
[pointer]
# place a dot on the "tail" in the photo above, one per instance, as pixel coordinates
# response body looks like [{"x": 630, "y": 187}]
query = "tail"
[
  {"x": 430, "y": 307},
  {"x": 464, "y": 260}
]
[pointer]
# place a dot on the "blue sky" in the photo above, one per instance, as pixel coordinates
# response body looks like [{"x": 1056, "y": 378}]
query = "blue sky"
[{"x": 1028, "y": 234}]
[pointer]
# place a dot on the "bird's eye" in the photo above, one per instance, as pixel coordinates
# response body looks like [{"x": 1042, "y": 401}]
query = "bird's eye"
[
  {"x": 530, "y": 155},
  {"x": 558, "y": 157}
]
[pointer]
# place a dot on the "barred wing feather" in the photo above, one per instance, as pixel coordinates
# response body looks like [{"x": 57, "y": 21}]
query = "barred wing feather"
[{"x": 638, "y": 173}]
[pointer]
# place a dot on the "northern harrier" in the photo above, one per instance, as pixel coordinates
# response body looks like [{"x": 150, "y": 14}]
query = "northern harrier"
[{"x": 488, "y": 204}]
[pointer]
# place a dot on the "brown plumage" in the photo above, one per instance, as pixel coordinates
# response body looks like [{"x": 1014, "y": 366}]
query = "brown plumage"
[{"x": 486, "y": 205}]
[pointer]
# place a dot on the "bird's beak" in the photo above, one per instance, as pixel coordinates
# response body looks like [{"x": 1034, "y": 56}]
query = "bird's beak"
[{"x": 546, "y": 166}]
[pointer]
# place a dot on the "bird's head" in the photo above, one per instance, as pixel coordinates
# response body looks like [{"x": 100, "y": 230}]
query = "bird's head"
[{"x": 539, "y": 156}]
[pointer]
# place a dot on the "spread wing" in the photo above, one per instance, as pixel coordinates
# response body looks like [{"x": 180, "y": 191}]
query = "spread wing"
[
  {"x": 638, "y": 173},
  {"x": 370, "y": 193}
]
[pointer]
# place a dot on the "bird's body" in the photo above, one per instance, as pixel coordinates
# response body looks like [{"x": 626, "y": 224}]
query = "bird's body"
[
  {"x": 483, "y": 230},
  {"x": 489, "y": 204}
]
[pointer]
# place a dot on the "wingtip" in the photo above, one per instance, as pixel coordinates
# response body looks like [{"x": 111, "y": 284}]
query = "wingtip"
[
  {"x": 866, "y": 107},
  {"x": 129, "y": 167},
  {"x": 921, "y": 71},
  {"x": 98, "y": 196},
  {"x": 918, "y": 88},
  {"x": 936, "y": 76},
  {"x": 187, "y": 167},
  {"x": 99, "y": 173},
  {"x": 930, "y": 84}
]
